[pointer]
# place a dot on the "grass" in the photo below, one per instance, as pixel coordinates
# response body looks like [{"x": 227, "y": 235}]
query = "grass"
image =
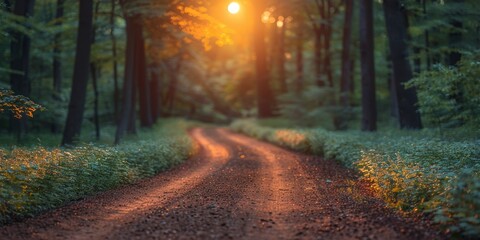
[
  {"x": 412, "y": 171},
  {"x": 35, "y": 179}
]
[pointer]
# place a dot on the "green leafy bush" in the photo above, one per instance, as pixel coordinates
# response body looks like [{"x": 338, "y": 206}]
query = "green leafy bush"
[
  {"x": 17, "y": 104},
  {"x": 36, "y": 179},
  {"x": 450, "y": 96},
  {"x": 413, "y": 173}
]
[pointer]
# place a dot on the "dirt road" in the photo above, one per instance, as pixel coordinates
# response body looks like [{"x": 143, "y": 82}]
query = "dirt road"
[{"x": 236, "y": 188}]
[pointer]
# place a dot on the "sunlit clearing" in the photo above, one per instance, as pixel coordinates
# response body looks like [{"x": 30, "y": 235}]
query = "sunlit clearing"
[{"x": 233, "y": 7}]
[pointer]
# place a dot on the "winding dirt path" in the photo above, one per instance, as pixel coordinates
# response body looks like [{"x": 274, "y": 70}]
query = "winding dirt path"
[{"x": 236, "y": 188}]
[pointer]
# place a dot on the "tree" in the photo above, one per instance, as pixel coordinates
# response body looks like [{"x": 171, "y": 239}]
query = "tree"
[
  {"x": 265, "y": 100},
  {"x": 346, "y": 75},
  {"x": 396, "y": 23},
  {"x": 146, "y": 119},
  {"x": 369, "y": 106},
  {"x": 76, "y": 105},
  {"x": 57, "y": 63},
  {"x": 116, "y": 92},
  {"x": 20, "y": 61}
]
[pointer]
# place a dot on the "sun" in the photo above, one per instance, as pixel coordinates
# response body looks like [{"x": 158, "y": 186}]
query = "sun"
[{"x": 233, "y": 7}]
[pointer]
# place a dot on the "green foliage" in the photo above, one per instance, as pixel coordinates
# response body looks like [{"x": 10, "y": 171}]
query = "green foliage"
[
  {"x": 450, "y": 96},
  {"x": 412, "y": 173},
  {"x": 36, "y": 179},
  {"x": 18, "y": 105}
]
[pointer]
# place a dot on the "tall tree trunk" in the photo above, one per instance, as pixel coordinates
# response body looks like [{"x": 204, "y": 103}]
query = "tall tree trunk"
[
  {"x": 455, "y": 38},
  {"x": 426, "y": 38},
  {"x": 20, "y": 62},
  {"x": 142, "y": 80},
  {"x": 57, "y": 63},
  {"x": 340, "y": 121},
  {"x": 127, "y": 116},
  {"x": 328, "y": 33},
  {"x": 95, "y": 73},
  {"x": 369, "y": 106},
  {"x": 396, "y": 23},
  {"x": 281, "y": 58},
  {"x": 299, "y": 58},
  {"x": 116, "y": 92},
  {"x": 318, "y": 57},
  {"x": 57, "y": 51},
  {"x": 154, "y": 93},
  {"x": 76, "y": 106},
  {"x": 96, "y": 120},
  {"x": 172, "y": 86},
  {"x": 346, "y": 73},
  {"x": 265, "y": 99}
]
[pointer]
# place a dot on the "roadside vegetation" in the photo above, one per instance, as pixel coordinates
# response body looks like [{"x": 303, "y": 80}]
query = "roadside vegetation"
[
  {"x": 412, "y": 171},
  {"x": 37, "y": 178}
]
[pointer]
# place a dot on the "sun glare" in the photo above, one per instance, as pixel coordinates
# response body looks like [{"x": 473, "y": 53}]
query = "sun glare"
[{"x": 233, "y": 7}]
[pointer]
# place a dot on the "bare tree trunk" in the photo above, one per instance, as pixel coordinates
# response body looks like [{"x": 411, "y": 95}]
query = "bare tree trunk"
[
  {"x": 154, "y": 94},
  {"x": 346, "y": 73},
  {"x": 317, "y": 58},
  {"x": 57, "y": 51},
  {"x": 281, "y": 58},
  {"x": 265, "y": 99},
  {"x": 142, "y": 80},
  {"x": 455, "y": 39},
  {"x": 20, "y": 62},
  {"x": 172, "y": 86},
  {"x": 369, "y": 107},
  {"x": 116, "y": 92},
  {"x": 57, "y": 64},
  {"x": 340, "y": 121},
  {"x": 93, "y": 71},
  {"x": 299, "y": 58},
  {"x": 76, "y": 106},
  {"x": 128, "y": 101},
  {"x": 396, "y": 23}
]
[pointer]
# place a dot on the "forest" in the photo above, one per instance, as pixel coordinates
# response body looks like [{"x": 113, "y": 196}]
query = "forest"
[{"x": 100, "y": 94}]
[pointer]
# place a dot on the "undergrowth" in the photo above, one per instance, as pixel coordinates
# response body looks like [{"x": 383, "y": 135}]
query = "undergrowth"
[
  {"x": 412, "y": 173},
  {"x": 35, "y": 179}
]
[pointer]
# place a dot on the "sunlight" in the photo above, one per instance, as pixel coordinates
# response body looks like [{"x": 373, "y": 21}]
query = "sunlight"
[{"x": 234, "y": 8}]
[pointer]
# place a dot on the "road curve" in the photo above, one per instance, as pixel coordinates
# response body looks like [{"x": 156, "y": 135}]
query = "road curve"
[{"x": 235, "y": 188}]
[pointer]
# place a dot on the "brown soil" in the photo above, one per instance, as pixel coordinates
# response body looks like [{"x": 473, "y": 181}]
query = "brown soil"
[{"x": 236, "y": 188}]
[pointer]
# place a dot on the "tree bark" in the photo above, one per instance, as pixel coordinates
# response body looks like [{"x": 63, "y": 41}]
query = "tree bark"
[
  {"x": 155, "y": 94},
  {"x": 141, "y": 77},
  {"x": 346, "y": 73},
  {"x": 116, "y": 92},
  {"x": 426, "y": 38},
  {"x": 455, "y": 39},
  {"x": 396, "y": 23},
  {"x": 76, "y": 106},
  {"x": 57, "y": 51},
  {"x": 172, "y": 86},
  {"x": 126, "y": 121},
  {"x": 265, "y": 99},
  {"x": 369, "y": 108},
  {"x": 96, "y": 120},
  {"x": 57, "y": 64},
  {"x": 299, "y": 59},
  {"x": 20, "y": 62},
  {"x": 281, "y": 59}
]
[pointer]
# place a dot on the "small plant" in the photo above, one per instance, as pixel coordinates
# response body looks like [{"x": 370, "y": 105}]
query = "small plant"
[{"x": 18, "y": 105}]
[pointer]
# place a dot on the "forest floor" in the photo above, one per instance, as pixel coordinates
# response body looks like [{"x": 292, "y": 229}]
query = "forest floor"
[{"x": 235, "y": 188}]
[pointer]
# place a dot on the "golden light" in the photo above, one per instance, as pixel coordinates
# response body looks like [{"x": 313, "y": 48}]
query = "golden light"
[{"x": 233, "y": 8}]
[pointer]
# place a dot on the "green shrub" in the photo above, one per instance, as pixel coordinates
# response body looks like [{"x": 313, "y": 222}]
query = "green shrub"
[
  {"x": 36, "y": 179},
  {"x": 413, "y": 173},
  {"x": 450, "y": 96}
]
